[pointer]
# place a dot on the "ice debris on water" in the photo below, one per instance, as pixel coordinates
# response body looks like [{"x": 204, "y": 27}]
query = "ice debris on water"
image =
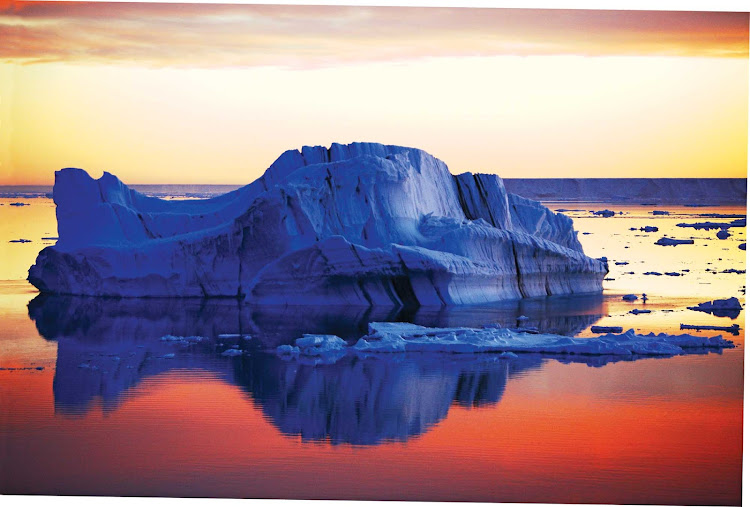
[
  {"x": 389, "y": 337},
  {"x": 606, "y": 329},
  {"x": 232, "y": 352},
  {"x": 665, "y": 241},
  {"x": 730, "y": 307}
]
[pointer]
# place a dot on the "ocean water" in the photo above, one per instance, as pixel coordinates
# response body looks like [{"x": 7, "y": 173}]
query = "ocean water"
[{"x": 149, "y": 417}]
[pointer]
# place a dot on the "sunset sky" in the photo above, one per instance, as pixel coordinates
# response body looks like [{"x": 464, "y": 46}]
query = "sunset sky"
[{"x": 190, "y": 93}]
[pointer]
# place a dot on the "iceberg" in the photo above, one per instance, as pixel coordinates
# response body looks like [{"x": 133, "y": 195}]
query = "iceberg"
[{"x": 360, "y": 224}]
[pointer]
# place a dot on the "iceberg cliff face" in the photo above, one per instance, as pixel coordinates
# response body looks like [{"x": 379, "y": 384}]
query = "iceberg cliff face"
[{"x": 358, "y": 224}]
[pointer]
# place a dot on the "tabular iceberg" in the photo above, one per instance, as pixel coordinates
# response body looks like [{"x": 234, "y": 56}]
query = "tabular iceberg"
[{"x": 358, "y": 224}]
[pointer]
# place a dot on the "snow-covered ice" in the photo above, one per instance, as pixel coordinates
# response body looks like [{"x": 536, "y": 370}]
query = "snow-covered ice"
[
  {"x": 403, "y": 337},
  {"x": 359, "y": 224}
]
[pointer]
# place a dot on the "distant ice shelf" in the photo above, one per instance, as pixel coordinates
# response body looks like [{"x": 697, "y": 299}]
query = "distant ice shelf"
[{"x": 359, "y": 224}]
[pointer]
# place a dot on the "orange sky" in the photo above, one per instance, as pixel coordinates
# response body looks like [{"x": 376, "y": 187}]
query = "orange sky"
[{"x": 167, "y": 93}]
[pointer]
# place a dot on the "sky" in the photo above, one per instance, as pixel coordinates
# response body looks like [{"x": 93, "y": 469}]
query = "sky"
[{"x": 191, "y": 93}]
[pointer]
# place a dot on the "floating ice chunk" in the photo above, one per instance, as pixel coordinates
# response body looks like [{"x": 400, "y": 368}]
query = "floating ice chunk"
[
  {"x": 723, "y": 234},
  {"x": 181, "y": 339},
  {"x": 740, "y": 222},
  {"x": 20, "y": 204},
  {"x": 659, "y": 212},
  {"x": 522, "y": 317},
  {"x": 720, "y": 307},
  {"x": 638, "y": 311},
  {"x": 734, "y": 328},
  {"x": 653, "y": 273},
  {"x": 402, "y": 337},
  {"x": 166, "y": 356},
  {"x": 20, "y": 240},
  {"x": 735, "y": 271},
  {"x": 665, "y": 241},
  {"x": 508, "y": 355},
  {"x": 606, "y": 213},
  {"x": 287, "y": 350},
  {"x": 673, "y": 273},
  {"x": 319, "y": 345},
  {"x": 621, "y": 263},
  {"x": 231, "y": 352},
  {"x": 743, "y": 246},
  {"x": 630, "y": 297},
  {"x": 649, "y": 228},
  {"x": 606, "y": 329}
]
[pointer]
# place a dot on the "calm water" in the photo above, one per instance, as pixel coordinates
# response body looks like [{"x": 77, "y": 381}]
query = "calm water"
[{"x": 136, "y": 421}]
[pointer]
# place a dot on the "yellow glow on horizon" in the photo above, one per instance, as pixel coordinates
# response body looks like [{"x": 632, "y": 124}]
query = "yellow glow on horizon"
[{"x": 538, "y": 116}]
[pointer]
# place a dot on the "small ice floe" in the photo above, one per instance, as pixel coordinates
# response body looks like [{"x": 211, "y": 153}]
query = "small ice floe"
[
  {"x": 21, "y": 368},
  {"x": 232, "y": 352},
  {"x": 665, "y": 241},
  {"x": 50, "y": 238},
  {"x": 659, "y": 212},
  {"x": 720, "y": 307},
  {"x": 20, "y": 204},
  {"x": 508, "y": 355},
  {"x": 315, "y": 345},
  {"x": 653, "y": 273},
  {"x": 638, "y": 311},
  {"x": 649, "y": 228},
  {"x": 609, "y": 279},
  {"x": 604, "y": 213},
  {"x": 735, "y": 271},
  {"x": 621, "y": 263},
  {"x": 606, "y": 329},
  {"x": 734, "y": 328},
  {"x": 743, "y": 246},
  {"x": 673, "y": 273},
  {"x": 522, "y": 317},
  {"x": 585, "y": 233},
  {"x": 721, "y": 215},
  {"x": 740, "y": 222},
  {"x": 166, "y": 356},
  {"x": 20, "y": 240},
  {"x": 393, "y": 337},
  {"x": 723, "y": 234},
  {"x": 181, "y": 339},
  {"x": 630, "y": 297}
]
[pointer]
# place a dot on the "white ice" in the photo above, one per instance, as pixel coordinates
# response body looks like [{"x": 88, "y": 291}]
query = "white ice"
[
  {"x": 403, "y": 337},
  {"x": 358, "y": 224}
]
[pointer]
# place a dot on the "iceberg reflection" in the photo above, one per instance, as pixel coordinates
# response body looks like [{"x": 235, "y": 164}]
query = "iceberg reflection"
[{"x": 107, "y": 346}]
